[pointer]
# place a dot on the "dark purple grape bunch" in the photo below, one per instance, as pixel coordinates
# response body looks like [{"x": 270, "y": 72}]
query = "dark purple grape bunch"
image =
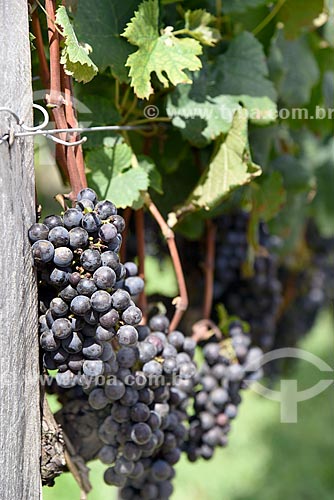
[
  {"x": 146, "y": 396},
  {"x": 228, "y": 367},
  {"x": 85, "y": 292}
]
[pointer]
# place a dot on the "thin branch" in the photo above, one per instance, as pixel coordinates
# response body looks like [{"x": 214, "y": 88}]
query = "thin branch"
[
  {"x": 55, "y": 98},
  {"x": 62, "y": 108},
  {"x": 43, "y": 64},
  {"x": 269, "y": 17},
  {"x": 74, "y": 155},
  {"x": 209, "y": 268},
  {"x": 140, "y": 237},
  {"x": 181, "y": 302},
  {"x": 77, "y": 467}
]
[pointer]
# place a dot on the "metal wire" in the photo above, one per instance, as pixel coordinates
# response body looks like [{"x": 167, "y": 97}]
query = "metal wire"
[{"x": 51, "y": 133}]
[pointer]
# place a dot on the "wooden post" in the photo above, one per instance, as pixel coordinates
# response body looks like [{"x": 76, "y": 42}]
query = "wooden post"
[{"x": 19, "y": 370}]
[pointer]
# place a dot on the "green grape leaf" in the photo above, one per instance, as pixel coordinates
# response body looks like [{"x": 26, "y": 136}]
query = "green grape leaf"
[
  {"x": 74, "y": 55},
  {"x": 148, "y": 165},
  {"x": 112, "y": 175},
  {"x": 200, "y": 119},
  {"x": 242, "y": 72},
  {"x": 229, "y": 168},
  {"x": 101, "y": 28},
  {"x": 298, "y": 14},
  {"x": 268, "y": 197},
  {"x": 197, "y": 23},
  {"x": 240, "y": 6},
  {"x": 162, "y": 54},
  {"x": 294, "y": 68}
]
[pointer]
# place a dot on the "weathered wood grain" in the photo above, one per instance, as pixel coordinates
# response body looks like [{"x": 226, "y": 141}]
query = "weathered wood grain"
[{"x": 19, "y": 380}]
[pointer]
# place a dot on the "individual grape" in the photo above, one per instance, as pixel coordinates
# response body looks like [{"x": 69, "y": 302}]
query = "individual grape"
[
  {"x": 103, "y": 334},
  {"x": 74, "y": 278},
  {"x": 120, "y": 413},
  {"x": 130, "y": 397},
  {"x": 93, "y": 367},
  {"x": 169, "y": 351},
  {"x": 110, "y": 259},
  {"x": 157, "y": 341},
  {"x": 59, "y": 236},
  {"x": 38, "y": 232},
  {"x": 66, "y": 379},
  {"x": 124, "y": 466},
  {"x": 141, "y": 433},
  {"x": 159, "y": 323},
  {"x": 101, "y": 301},
  {"x": 131, "y": 451},
  {"x": 80, "y": 305},
  {"x": 86, "y": 287},
  {"x": 120, "y": 300},
  {"x": 73, "y": 343},
  {"x": 147, "y": 351},
  {"x": 169, "y": 366},
  {"x": 115, "y": 244},
  {"x": 91, "y": 318},
  {"x": 152, "y": 368},
  {"x": 131, "y": 269},
  {"x": 176, "y": 339},
  {"x": 92, "y": 349},
  {"x": 63, "y": 256},
  {"x": 60, "y": 356},
  {"x": 109, "y": 319},
  {"x": 59, "y": 277},
  {"x": 58, "y": 307},
  {"x": 75, "y": 363},
  {"x": 104, "y": 277},
  {"x": 118, "y": 222},
  {"x": 85, "y": 205},
  {"x": 52, "y": 221},
  {"x": 108, "y": 353},
  {"x": 90, "y": 260},
  {"x": 87, "y": 193},
  {"x": 132, "y": 315},
  {"x": 107, "y": 232},
  {"x": 78, "y": 238},
  {"x": 114, "y": 389},
  {"x": 49, "y": 362},
  {"x": 48, "y": 342},
  {"x": 114, "y": 479},
  {"x": 91, "y": 222},
  {"x": 42, "y": 251},
  {"x": 146, "y": 395},
  {"x": 134, "y": 285},
  {"x": 68, "y": 293},
  {"x": 127, "y": 357},
  {"x": 161, "y": 470},
  {"x": 127, "y": 335},
  {"x": 140, "y": 412},
  {"x": 61, "y": 328},
  {"x": 189, "y": 346},
  {"x": 105, "y": 209},
  {"x": 107, "y": 454},
  {"x": 72, "y": 218},
  {"x": 97, "y": 399}
]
